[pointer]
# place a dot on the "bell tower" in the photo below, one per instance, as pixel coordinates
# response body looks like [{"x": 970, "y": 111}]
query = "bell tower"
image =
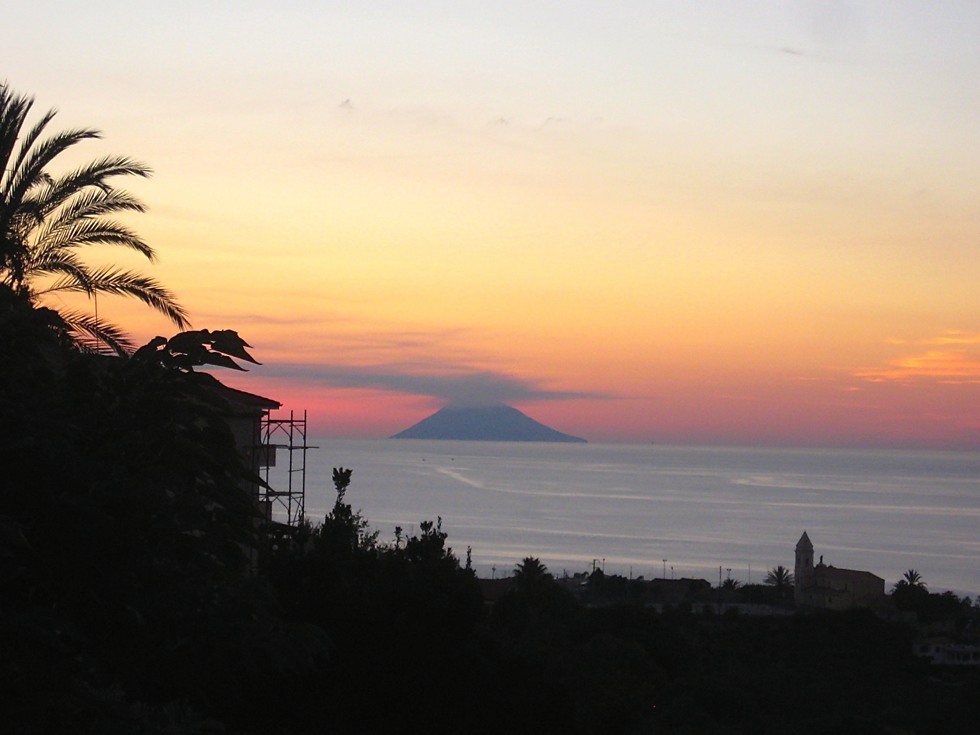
[{"x": 804, "y": 566}]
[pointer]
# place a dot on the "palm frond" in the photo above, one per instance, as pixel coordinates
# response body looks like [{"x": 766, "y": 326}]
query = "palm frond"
[
  {"x": 72, "y": 270},
  {"x": 13, "y": 112},
  {"x": 91, "y": 232},
  {"x": 94, "y": 175},
  {"x": 94, "y": 203},
  {"x": 96, "y": 172},
  {"x": 92, "y": 333},
  {"x": 88, "y": 204},
  {"x": 32, "y": 136},
  {"x": 26, "y": 174},
  {"x": 127, "y": 283}
]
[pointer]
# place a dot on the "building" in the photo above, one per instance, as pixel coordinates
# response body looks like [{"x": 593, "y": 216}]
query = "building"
[
  {"x": 829, "y": 588},
  {"x": 249, "y": 413},
  {"x": 947, "y": 652},
  {"x": 279, "y": 492}
]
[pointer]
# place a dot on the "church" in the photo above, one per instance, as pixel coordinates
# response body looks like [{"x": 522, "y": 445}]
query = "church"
[{"x": 829, "y": 588}]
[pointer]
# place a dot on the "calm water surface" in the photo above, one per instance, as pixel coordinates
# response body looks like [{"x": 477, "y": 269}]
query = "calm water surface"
[{"x": 701, "y": 509}]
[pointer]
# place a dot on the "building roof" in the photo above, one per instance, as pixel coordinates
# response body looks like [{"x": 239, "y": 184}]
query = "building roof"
[
  {"x": 831, "y": 571},
  {"x": 804, "y": 543},
  {"x": 240, "y": 399},
  {"x": 250, "y": 399}
]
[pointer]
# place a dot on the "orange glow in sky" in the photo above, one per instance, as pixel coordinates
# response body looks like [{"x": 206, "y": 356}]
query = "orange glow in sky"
[{"x": 642, "y": 222}]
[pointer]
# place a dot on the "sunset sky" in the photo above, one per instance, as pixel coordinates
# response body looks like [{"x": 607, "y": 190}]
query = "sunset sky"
[{"x": 735, "y": 223}]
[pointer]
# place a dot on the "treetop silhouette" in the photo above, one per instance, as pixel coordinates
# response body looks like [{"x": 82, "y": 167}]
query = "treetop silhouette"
[{"x": 48, "y": 220}]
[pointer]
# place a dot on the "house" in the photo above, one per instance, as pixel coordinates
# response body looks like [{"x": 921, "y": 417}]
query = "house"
[
  {"x": 278, "y": 491},
  {"x": 829, "y": 588},
  {"x": 945, "y": 651},
  {"x": 248, "y": 411}
]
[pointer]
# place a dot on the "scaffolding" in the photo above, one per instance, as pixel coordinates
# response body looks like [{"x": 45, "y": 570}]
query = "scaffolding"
[{"x": 283, "y": 492}]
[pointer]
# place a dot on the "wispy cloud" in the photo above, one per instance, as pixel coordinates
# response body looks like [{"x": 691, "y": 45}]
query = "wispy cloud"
[
  {"x": 454, "y": 384},
  {"x": 956, "y": 337},
  {"x": 401, "y": 358},
  {"x": 952, "y": 357}
]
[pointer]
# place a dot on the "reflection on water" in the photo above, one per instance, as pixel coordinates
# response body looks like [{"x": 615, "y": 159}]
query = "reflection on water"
[{"x": 699, "y": 508}]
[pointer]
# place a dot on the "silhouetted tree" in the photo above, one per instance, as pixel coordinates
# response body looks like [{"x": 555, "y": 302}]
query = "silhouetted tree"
[
  {"x": 911, "y": 578},
  {"x": 910, "y": 594},
  {"x": 430, "y": 545},
  {"x": 48, "y": 219},
  {"x": 125, "y": 539},
  {"x": 531, "y": 573},
  {"x": 534, "y": 599},
  {"x": 532, "y": 582},
  {"x": 782, "y": 579},
  {"x": 345, "y": 531}
]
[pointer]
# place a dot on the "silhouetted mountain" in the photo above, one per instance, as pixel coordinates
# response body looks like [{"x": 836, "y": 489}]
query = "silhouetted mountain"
[{"x": 485, "y": 423}]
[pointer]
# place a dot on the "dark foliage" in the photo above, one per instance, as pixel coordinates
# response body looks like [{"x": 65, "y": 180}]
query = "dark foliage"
[
  {"x": 141, "y": 593},
  {"x": 125, "y": 544},
  {"x": 402, "y": 618}
]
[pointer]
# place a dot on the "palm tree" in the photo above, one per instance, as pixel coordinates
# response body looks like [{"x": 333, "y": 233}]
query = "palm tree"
[
  {"x": 910, "y": 580},
  {"x": 530, "y": 572},
  {"x": 782, "y": 579},
  {"x": 910, "y": 593},
  {"x": 914, "y": 579},
  {"x": 532, "y": 579},
  {"x": 534, "y": 586},
  {"x": 46, "y": 220}
]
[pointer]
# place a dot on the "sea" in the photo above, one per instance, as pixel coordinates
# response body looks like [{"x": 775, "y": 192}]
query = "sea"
[{"x": 667, "y": 511}]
